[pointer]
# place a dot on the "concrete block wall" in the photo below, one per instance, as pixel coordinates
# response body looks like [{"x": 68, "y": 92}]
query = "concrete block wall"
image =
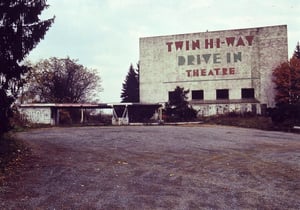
[
  {"x": 205, "y": 110},
  {"x": 38, "y": 115},
  {"x": 228, "y": 59}
]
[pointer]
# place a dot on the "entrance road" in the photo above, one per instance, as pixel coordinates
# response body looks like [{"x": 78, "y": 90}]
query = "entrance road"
[{"x": 156, "y": 167}]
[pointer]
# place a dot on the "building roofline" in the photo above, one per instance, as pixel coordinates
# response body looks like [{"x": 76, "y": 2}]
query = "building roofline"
[
  {"x": 216, "y": 31},
  {"x": 65, "y": 105},
  {"x": 84, "y": 105}
]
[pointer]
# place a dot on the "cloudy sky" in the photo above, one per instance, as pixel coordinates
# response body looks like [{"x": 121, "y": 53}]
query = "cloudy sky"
[{"x": 104, "y": 34}]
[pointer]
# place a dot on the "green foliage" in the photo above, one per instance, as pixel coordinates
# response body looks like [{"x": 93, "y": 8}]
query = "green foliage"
[
  {"x": 130, "y": 91},
  {"x": 20, "y": 31},
  {"x": 63, "y": 80},
  {"x": 178, "y": 108}
]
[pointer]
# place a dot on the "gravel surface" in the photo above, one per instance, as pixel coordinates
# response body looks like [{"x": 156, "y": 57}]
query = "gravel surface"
[{"x": 156, "y": 167}]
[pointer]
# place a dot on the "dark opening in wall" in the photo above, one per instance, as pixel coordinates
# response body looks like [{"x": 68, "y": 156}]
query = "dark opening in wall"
[
  {"x": 222, "y": 94},
  {"x": 197, "y": 95},
  {"x": 247, "y": 93}
]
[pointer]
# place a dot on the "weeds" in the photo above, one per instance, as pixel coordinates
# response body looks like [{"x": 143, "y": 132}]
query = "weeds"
[{"x": 245, "y": 121}]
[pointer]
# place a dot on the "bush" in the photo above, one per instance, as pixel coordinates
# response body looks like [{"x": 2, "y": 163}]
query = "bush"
[
  {"x": 18, "y": 120},
  {"x": 240, "y": 120},
  {"x": 178, "y": 108},
  {"x": 285, "y": 115},
  {"x": 180, "y": 114}
]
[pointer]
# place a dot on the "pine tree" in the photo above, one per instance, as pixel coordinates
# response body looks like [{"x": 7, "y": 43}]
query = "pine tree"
[
  {"x": 178, "y": 108},
  {"x": 20, "y": 32},
  {"x": 130, "y": 91},
  {"x": 297, "y": 51},
  {"x": 179, "y": 97}
]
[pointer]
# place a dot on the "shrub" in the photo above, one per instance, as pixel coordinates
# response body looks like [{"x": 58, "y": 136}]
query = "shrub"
[{"x": 287, "y": 115}]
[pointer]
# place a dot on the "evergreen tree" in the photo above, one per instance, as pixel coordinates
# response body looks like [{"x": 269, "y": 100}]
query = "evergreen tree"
[
  {"x": 297, "y": 51},
  {"x": 20, "y": 31},
  {"x": 130, "y": 91},
  {"x": 178, "y": 97},
  {"x": 178, "y": 108}
]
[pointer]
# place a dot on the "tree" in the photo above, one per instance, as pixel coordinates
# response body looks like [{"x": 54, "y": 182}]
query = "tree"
[
  {"x": 287, "y": 82},
  {"x": 20, "y": 31},
  {"x": 287, "y": 97},
  {"x": 130, "y": 91},
  {"x": 297, "y": 51},
  {"x": 178, "y": 108},
  {"x": 63, "y": 80}
]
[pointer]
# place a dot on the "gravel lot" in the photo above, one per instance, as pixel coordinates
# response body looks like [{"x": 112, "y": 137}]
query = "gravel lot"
[{"x": 156, "y": 167}]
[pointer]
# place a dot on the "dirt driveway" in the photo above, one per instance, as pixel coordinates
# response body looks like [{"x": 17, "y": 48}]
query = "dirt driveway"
[{"x": 156, "y": 167}]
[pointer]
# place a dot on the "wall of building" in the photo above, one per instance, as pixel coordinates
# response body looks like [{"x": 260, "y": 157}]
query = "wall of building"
[
  {"x": 38, "y": 115},
  {"x": 207, "y": 61}
]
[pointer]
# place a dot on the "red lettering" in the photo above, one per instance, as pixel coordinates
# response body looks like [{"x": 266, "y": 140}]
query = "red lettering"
[
  {"x": 169, "y": 46},
  {"x": 209, "y": 43},
  {"x": 230, "y": 41},
  {"x": 196, "y": 73},
  {"x": 217, "y": 71},
  {"x": 211, "y": 72},
  {"x": 189, "y": 73},
  {"x": 240, "y": 42},
  {"x": 187, "y": 45},
  {"x": 218, "y": 43},
  {"x": 195, "y": 44},
  {"x": 249, "y": 39},
  {"x": 179, "y": 45}
]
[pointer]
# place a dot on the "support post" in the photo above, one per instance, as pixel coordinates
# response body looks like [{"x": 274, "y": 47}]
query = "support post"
[
  {"x": 82, "y": 116},
  {"x": 57, "y": 117}
]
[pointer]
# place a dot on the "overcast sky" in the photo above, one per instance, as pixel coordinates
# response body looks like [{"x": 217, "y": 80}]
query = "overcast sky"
[{"x": 104, "y": 34}]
